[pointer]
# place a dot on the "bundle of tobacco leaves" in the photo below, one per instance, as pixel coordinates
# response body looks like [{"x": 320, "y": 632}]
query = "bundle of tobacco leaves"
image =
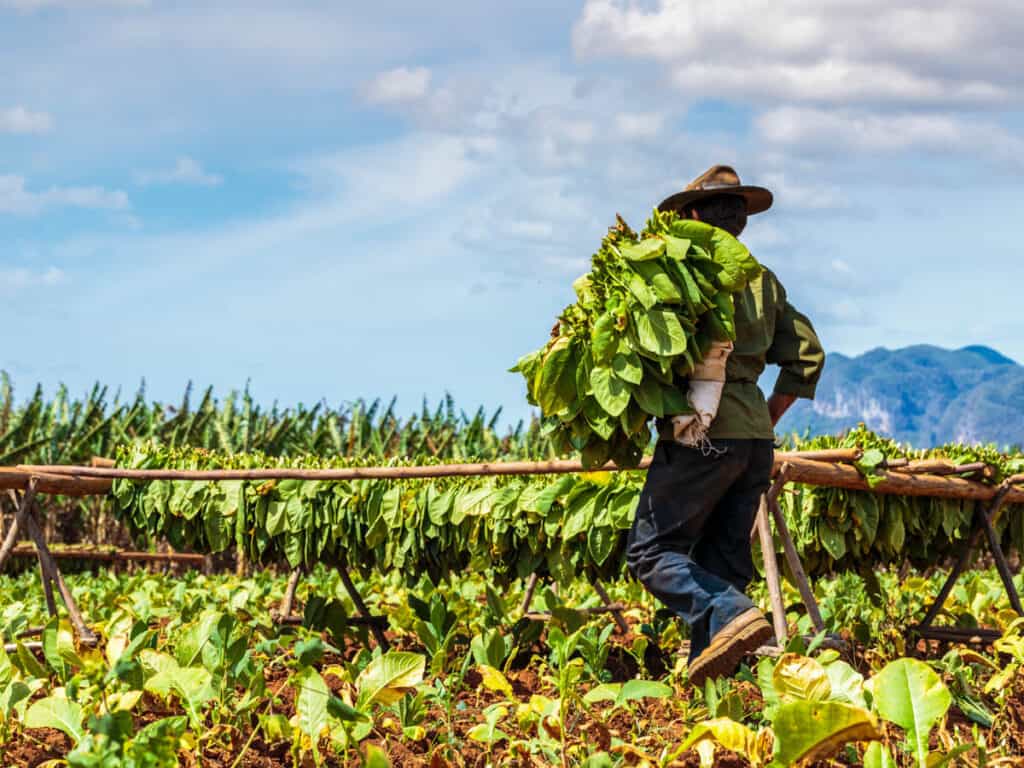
[{"x": 645, "y": 315}]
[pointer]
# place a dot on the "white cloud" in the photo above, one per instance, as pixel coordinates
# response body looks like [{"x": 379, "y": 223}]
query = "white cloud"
[
  {"x": 940, "y": 52},
  {"x": 402, "y": 85},
  {"x": 185, "y": 171},
  {"x": 20, "y": 120},
  {"x": 19, "y": 278},
  {"x": 639, "y": 125},
  {"x": 16, "y": 199},
  {"x": 856, "y": 130},
  {"x": 812, "y": 196}
]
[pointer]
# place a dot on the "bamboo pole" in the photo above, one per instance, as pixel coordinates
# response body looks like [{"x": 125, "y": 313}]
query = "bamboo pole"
[
  {"x": 553, "y": 467},
  {"x": 827, "y": 468},
  {"x": 114, "y": 555}
]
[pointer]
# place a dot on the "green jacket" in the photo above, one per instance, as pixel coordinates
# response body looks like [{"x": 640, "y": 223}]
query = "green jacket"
[{"x": 768, "y": 330}]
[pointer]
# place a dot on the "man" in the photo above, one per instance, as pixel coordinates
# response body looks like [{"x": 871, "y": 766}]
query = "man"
[{"x": 690, "y": 540}]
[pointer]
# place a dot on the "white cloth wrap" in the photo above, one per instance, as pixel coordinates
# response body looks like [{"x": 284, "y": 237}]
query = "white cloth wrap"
[{"x": 704, "y": 395}]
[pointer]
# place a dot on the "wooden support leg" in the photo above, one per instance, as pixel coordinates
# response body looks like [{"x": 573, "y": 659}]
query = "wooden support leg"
[
  {"x": 1001, "y": 565},
  {"x": 22, "y": 505},
  {"x": 288, "y": 601},
  {"x": 50, "y": 571},
  {"x": 51, "y": 604},
  {"x": 771, "y": 573},
  {"x": 963, "y": 559},
  {"x": 616, "y": 613},
  {"x": 531, "y": 587},
  {"x": 378, "y": 631},
  {"x": 792, "y": 557}
]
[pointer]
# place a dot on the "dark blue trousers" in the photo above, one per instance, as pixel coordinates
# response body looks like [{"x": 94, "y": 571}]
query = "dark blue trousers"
[{"x": 690, "y": 540}]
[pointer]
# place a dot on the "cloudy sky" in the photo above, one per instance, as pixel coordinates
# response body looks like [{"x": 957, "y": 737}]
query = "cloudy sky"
[{"x": 336, "y": 200}]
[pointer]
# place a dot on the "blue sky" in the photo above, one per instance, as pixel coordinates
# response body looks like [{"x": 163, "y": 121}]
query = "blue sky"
[{"x": 339, "y": 200}]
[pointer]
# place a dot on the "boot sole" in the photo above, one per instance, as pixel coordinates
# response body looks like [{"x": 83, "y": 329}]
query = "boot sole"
[{"x": 724, "y": 662}]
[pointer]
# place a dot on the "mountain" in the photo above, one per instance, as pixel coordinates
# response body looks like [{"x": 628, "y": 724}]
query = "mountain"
[{"x": 922, "y": 395}]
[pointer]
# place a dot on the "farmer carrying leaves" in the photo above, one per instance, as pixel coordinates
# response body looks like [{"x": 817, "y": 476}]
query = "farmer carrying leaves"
[{"x": 690, "y": 540}]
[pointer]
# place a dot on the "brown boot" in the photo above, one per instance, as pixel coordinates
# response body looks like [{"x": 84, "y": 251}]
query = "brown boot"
[{"x": 747, "y": 632}]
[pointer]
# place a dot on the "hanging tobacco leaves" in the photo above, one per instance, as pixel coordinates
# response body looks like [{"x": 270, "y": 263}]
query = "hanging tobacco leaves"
[
  {"x": 645, "y": 315},
  {"x": 561, "y": 525}
]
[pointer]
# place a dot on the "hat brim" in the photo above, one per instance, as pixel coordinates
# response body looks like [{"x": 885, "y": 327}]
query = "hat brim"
[{"x": 758, "y": 199}]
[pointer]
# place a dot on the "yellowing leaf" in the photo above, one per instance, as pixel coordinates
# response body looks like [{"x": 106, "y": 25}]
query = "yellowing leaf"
[
  {"x": 494, "y": 680},
  {"x": 388, "y": 678},
  {"x": 816, "y": 730},
  {"x": 800, "y": 678}
]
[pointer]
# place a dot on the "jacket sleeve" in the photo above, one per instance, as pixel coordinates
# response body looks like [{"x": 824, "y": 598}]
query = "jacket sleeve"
[{"x": 796, "y": 349}]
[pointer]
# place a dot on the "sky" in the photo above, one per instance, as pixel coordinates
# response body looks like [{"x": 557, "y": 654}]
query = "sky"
[{"x": 334, "y": 200}]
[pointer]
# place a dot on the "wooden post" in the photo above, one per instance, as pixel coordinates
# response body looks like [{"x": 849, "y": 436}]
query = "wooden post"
[
  {"x": 792, "y": 557},
  {"x": 771, "y": 573},
  {"x": 22, "y": 505},
  {"x": 51, "y": 604},
  {"x": 531, "y": 586},
  {"x": 341, "y": 564},
  {"x": 50, "y": 571},
  {"x": 288, "y": 601},
  {"x": 616, "y": 613}
]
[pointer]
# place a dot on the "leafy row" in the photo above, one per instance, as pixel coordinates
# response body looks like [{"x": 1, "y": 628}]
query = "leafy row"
[
  {"x": 561, "y": 525},
  {"x": 65, "y": 430}
]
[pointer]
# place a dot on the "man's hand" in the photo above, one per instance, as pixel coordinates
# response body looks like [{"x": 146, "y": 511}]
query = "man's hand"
[{"x": 778, "y": 404}]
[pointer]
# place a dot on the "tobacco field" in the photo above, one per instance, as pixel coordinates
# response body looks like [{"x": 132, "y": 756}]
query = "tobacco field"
[{"x": 194, "y": 669}]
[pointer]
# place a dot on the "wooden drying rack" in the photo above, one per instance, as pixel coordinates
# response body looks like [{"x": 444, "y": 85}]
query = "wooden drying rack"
[{"x": 831, "y": 467}]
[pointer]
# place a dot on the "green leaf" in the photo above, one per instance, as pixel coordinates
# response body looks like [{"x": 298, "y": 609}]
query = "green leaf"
[
  {"x": 275, "y": 728},
  {"x": 659, "y": 331},
  {"x": 59, "y": 648},
  {"x": 645, "y": 250},
  {"x": 56, "y": 712},
  {"x": 806, "y": 731},
  {"x": 909, "y": 693},
  {"x": 649, "y": 397},
  {"x": 676, "y": 247},
  {"x": 28, "y": 663},
  {"x": 642, "y": 291},
  {"x": 664, "y": 287},
  {"x": 603, "y": 338},
  {"x": 376, "y": 757},
  {"x": 388, "y": 678},
  {"x": 636, "y": 690},
  {"x": 834, "y": 541},
  {"x": 311, "y": 703},
  {"x": 602, "y": 692},
  {"x": 628, "y": 367},
  {"x": 847, "y": 683},
  {"x": 340, "y": 710},
  {"x": 611, "y": 392},
  {"x": 877, "y": 755},
  {"x": 13, "y": 694},
  {"x": 555, "y": 385},
  {"x": 600, "y": 542}
]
